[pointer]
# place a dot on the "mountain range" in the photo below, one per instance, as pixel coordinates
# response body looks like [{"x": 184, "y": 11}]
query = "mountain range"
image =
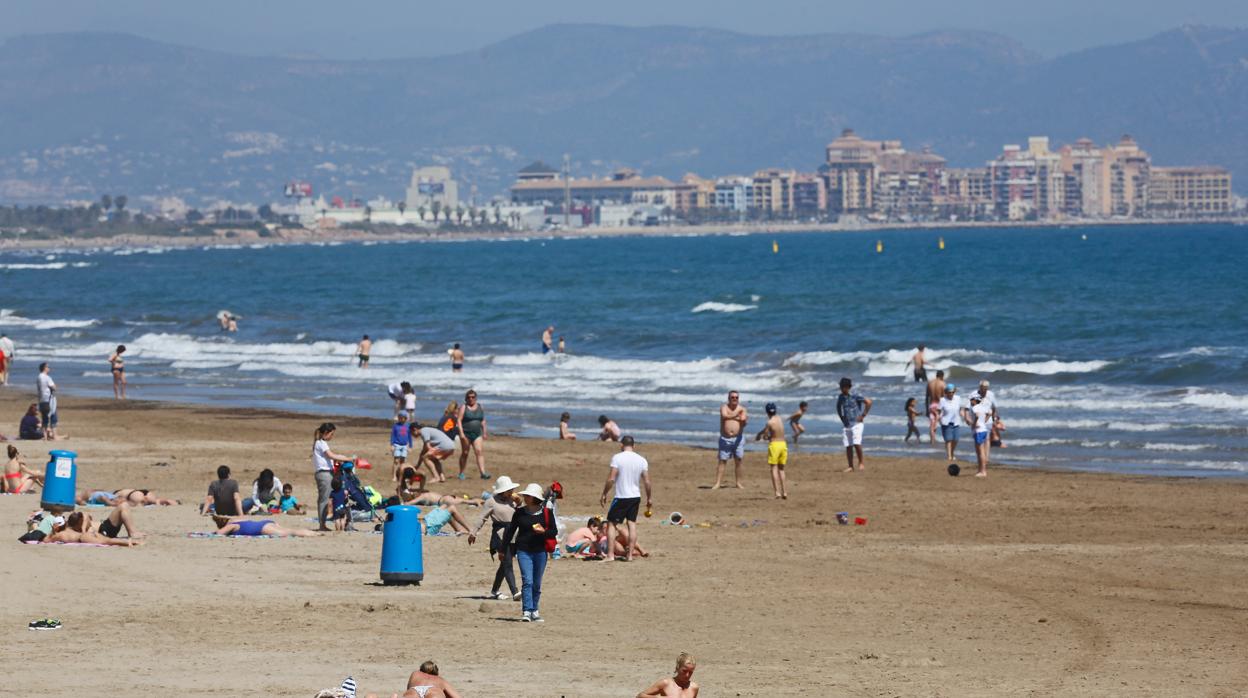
[{"x": 88, "y": 113}]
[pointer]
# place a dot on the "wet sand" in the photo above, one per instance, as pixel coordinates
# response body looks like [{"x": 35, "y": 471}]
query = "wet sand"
[{"x": 1026, "y": 583}]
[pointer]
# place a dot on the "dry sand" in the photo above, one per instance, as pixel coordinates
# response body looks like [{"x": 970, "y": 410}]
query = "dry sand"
[{"x": 1027, "y": 583}]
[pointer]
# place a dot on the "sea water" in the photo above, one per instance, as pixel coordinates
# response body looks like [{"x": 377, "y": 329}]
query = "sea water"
[{"x": 1124, "y": 351}]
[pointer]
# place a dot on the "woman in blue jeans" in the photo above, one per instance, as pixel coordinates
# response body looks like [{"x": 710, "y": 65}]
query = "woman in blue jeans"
[{"x": 527, "y": 535}]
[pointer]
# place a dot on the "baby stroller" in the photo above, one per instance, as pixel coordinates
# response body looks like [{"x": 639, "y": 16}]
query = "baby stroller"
[{"x": 361, "y": 507}]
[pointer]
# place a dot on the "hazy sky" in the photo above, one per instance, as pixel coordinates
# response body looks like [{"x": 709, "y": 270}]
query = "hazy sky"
[{"x": 394, "y": 28}]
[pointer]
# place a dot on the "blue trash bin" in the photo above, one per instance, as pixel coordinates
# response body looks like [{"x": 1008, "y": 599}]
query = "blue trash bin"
[
  {"x": 60, "y": 482},
  {"x": 402, "y": 559}
]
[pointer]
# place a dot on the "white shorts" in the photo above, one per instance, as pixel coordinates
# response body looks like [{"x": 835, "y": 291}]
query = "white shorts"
[
  {"x": 852, "y": 436},
  {"x": 400, "y": 450}
]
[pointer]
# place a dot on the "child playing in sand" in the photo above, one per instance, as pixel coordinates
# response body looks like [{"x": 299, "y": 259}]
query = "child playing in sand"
[
  {"x": 911, "y": 414},
  {"x": 342, "y": 512},
  {"x": 288, "y": 503},
  {"x": 565, "y": 434},
  {"x": 400, "y": 442},
  {"x": 795, "y": 421},
  {"x": 583, "y": 541}
]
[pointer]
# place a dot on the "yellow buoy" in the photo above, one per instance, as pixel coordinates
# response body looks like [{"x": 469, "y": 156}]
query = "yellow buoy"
[
  {"x": 879, "y": 246},
  {"x": 941, "y": 244},
  {"x": 775, "y": 247}
]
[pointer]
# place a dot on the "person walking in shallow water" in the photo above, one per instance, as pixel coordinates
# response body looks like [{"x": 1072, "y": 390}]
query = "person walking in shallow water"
[
  {"x": 118, "y": 367},
  {"x": 363, "y": 351},
  {"x": 457, "y": 358}
]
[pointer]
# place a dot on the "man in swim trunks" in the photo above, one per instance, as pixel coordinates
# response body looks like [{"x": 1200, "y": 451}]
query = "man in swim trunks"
[
  {"x": 935, "y": 391},
  {"x": 681, "y": 685},
  {"x": 362, "y": 350},
  {"x": 777, "y": 449},
  {"x": 119, "y": 518},
  {"x": 732, "y": 419},
  {"x": 920, "y": 364},
  {"x": 457, "y": 358},
  {"x": 547, "y": 336},
  {"x": 77, "y": 530}
]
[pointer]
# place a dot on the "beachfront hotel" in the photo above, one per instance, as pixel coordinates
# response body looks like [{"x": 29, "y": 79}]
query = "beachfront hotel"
[{"x": 882, "y": 180}]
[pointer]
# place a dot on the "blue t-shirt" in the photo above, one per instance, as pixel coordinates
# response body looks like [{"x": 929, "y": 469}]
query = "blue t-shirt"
[
  {"x": 288, "y": 502},
  {"x": 849, "y": 408},
  {"x": 400, "y": 435},
  {"x": 339, "y": 499}
]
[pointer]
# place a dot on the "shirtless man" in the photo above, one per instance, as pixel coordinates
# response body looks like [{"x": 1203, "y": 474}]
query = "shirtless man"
[
  {"x": 935, "y": 391},
  {"x": 547, "y": 336},
  {"x": 732, "y": 419},
  {"x": 457, "y": 358},
  {"x": 680, "y": 685},
  {"x": 411, "y": 490},
  {"x": 920, "y": 364},
  {"x": 363, "y": 350},
  {"x": 77, "y": 530},
  {"x": 795, "y": 420},
  {"x": 777, "y": 449}
]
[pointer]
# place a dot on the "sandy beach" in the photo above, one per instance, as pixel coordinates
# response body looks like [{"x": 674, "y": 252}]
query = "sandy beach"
[{"x": 1026, "y": 583}]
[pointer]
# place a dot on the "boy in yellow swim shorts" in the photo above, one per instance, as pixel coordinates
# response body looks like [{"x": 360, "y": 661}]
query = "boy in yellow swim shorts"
[{"x": 777, "y": 449}]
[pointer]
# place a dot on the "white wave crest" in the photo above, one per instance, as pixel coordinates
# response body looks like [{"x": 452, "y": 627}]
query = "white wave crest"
[
  {"x": 712, "y": 306},
  {"x": 1041, "y": 368},
  {"x": 1174, "y": 447},
  {"x": 1217, "y": 401},
  {"x": 10, "y": 319}
]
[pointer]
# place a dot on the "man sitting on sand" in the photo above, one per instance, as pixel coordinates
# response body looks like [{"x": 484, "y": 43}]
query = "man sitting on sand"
[
  {"x": 680, "y": 685},
  {"x": 239, "y": 526},
  {"x": 78, "y": 530},
  {"x": 223, "y": 498}
]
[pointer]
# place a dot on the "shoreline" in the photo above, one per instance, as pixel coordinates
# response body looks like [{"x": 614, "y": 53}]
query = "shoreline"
[
  {"x": 245, "y": 237},
  {"x": 934, "y": 455}
]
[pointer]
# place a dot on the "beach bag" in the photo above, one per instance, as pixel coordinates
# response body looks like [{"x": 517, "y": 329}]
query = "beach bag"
[{"x": 548, "y": 521}]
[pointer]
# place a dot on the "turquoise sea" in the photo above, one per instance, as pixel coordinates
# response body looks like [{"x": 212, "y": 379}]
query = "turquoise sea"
[{"x": 1116, "y": 348}]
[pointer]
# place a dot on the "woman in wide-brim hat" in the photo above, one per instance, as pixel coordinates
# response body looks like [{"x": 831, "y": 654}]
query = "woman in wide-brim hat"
[
  {"x": 498, "y": 510},
  {"x": 527, "y": 534}
]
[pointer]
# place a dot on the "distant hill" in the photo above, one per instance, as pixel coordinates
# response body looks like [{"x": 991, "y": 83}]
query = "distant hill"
[{"x": 85, "y": 114}]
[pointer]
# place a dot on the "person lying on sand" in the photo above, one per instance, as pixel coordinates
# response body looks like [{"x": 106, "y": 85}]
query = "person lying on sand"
[
  {"x": 78, "y": 530},
  {"x": 680, "y": 685},
  {"x": 141, "y": 498},
  {"x": 239, "y": 526},
  {"x": 425, "y": 683},
  {"x": 96, "y": 497},
  {"x": 620, "y": 549},
  {"x": 121, "y": 517},
  {"x": 411, "y": 490}
]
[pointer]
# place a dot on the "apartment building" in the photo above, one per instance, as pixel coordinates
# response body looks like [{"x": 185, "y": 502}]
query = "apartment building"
[{"x": 1180, "y": 191}]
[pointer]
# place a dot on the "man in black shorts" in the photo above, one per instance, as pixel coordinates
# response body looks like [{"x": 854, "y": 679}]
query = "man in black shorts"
[
  {"x": 628, "y": 471},
  {"x": 119, "y": 518}
]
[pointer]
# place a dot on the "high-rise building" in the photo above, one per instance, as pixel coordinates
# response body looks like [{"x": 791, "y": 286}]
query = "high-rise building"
[
  {"x": 1126, "y": 180},
  {"x": 771, "y": 192},
  {"x": 849, "y": 173}
]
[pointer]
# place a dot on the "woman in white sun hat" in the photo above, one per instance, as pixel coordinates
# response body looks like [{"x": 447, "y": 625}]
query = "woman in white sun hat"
[
  {"x": 498, "y": 510},
  {"x": 527, "y": 534}
]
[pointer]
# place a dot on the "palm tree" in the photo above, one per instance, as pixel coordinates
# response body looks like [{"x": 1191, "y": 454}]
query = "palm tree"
[
  {"x": 120, "y": 203},
  {"x": 437, "y": 208},
  {"x": 459, "y": 215},
  {"x": 421, "y": 211},
  {"x": 498, "y": 215},
  {"x": 402, "y": 208},
  {"x": 106, "y": 202}
]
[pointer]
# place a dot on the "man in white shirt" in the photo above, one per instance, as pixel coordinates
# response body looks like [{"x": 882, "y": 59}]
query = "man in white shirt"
[
  {"x": 47, "y": 401},
  {"x": 952, "y": 414},
  {"x": 628, "y": 471},
  {"x": 989, "y": 400}
]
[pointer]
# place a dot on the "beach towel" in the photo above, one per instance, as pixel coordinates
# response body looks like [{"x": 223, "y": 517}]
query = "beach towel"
[
  {"x": 213, "y": 534},
  {"x": 79, "y": 545}
]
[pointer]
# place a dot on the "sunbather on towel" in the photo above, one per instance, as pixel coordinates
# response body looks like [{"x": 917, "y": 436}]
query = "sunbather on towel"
[
  {"x": 78, "y": 530},
  {"x": 240, "y": 526}
]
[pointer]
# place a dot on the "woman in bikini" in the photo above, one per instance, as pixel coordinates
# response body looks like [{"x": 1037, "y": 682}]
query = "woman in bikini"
[
  {"x": 142, "y": 498},
  {"x": 118, "y": 367},
  {"x": 18, "y": 477}
]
